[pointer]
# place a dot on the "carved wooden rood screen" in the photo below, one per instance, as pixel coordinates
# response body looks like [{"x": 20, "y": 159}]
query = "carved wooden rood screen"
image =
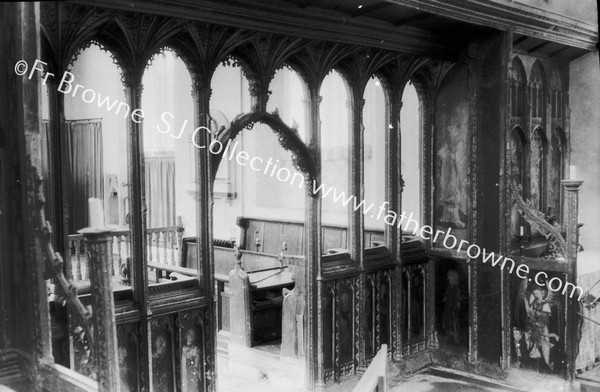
[
  {"x": 369, "y": 295},
  {"x": 165, "y": 333}
]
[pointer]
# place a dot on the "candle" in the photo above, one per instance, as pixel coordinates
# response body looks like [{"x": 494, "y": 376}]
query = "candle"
[
  {"x": 96, "y": 213},
  {"x": 572, "y": 172},
  {"x": 521, "y": 231}
]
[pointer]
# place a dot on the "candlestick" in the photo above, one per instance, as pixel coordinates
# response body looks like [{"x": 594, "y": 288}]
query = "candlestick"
[
  {"x": 96, "y": 213},
  {"x": 572, "y": 172}
]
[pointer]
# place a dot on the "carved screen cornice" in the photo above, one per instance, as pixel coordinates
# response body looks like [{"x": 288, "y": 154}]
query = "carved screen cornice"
[
  {"x": 524, "y": 19},
  {"x": 281, "y": 17}
]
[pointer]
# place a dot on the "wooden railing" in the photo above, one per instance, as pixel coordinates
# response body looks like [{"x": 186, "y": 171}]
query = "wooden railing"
[
  {"x": 375, "y": 377},
  {"x": 163, "y": 246}
]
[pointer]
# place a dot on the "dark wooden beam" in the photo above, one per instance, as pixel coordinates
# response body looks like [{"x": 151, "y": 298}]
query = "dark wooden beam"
[
  {"x": 363, "y": 10},
  {"x": 524, "y": 20},
  {"x": 309, "y": 23},
  {"x": 305, "y": 3},
  {"x": 412, "y": 19},
  {"x": 556, "y": 52},
  {"x": 519, "y": 40},
  {"x": 538, "y": 47}
]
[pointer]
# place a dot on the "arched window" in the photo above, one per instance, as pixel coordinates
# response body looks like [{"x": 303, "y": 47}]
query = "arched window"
[
  {"x": 97, "y": 142},
  {"x": 538, "y": 168},
  {"x": 517, "y": 88},
  {"x": 288, "y": 98},
  {"x": 169, "y": 160},
  {"x": 375, "y": 125},
  {"x": 411, "y": 168},
  {"x": 557, "y": 154},
  {"x": 335, "y": 159},
  {"x": 536, "y": 91},
  {"x": 97, "y": 155},
  {"x": 230, "y": 97}
]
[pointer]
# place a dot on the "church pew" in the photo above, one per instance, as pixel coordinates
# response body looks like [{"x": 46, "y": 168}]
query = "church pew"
[
  {"x": 267, "y": 236},
  {"x": 256, "y": 299}
]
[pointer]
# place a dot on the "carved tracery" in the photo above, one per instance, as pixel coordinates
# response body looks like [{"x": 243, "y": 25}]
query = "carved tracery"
[
  {"x": 517, "y": 88},
  {"x": 536, "y": 91},
  {"x": 556, "y": 96}
]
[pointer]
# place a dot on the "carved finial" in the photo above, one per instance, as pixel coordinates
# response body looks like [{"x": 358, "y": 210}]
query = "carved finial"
[{"x": 238, "y": 256}]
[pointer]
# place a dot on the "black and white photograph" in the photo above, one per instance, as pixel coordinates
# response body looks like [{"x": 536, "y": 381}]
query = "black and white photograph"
[{"x": 300, "y": 195}]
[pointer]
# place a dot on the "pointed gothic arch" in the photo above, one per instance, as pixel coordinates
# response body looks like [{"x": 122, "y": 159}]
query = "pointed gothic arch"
[{"x": 288, "y": 139}]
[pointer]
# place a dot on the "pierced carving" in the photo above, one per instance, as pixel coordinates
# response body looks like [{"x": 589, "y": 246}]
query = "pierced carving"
[
  {"x": 289, "y": 139},
  {"x": 557, "y": 246},
  {"x": 261, "y": 56},
  {"x": 433, "y": 73},
  {"x": 315, "y": 60},
  {"x": 362, "y": 64},
  {"x": 85, "y": 360},
  {"x": 55, "y": 265},
  {"x": 397, "y": 73}
]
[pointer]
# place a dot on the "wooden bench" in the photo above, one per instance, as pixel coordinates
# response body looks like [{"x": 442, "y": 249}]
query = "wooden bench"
[{"x": 269, "y": 235}]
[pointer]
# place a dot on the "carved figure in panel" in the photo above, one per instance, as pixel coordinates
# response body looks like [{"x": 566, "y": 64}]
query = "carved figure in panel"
[
  {"x": 417, "y": 298},
  {"x": 538, "y": 326},
  {"x": 517, "y": 88},
  {"x": 536, "y": 91},
  {"x": 452, "y": 301},
  {"x": 451, "y": 168},
  {"x": 191, "y": 359}
]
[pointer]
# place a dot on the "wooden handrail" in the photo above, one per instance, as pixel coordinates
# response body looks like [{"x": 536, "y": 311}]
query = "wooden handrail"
[
  {"x": 163, "y": 247},
  {"x": 375, "y": 378}
]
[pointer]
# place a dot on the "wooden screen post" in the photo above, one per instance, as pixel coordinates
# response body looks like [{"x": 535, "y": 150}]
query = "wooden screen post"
[
  {"x": 570, "y": 224},
  {"x": 103, "y": 308}
]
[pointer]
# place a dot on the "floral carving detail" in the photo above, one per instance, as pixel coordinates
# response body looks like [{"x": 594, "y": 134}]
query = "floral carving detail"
[
  {"x": 557, "y": 247},
  {"x": 289, "y": 139}
]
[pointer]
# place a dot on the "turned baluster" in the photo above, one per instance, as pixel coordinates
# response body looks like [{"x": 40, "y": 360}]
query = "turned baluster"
[
  {"x": 150, "y": 235},
  {"x": 77, "y": 267},
  {"x": 165, "y": 259},
  {"x": 84, "y": 267},
  {"x": 173, "y": 238}
]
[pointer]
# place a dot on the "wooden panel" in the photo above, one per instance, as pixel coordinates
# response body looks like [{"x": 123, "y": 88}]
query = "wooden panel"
[
  {"x": 272, "y": 233},
  {"x": 163, "y": 358},
  {"x": 272, "y": 238},
  {"x": 340, "y": 328},
  {"x": 328, "y": 296},
  {"x": 224, "y": 260},
  {"x": 589, "y": 346},
  {"x": 378, "y": 310},
  {"x": 192, "y": 340},
  {"x": 189, "y": 253},
  {"x": 224, "y": 320},
  {"x": 334, "y": 238},
  {"x": 128, "y": 349},
  {"x": 293, "y": 235}
]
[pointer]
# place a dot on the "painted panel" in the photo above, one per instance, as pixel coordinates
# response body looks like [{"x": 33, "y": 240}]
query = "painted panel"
[{"x": 451, "y": 140}]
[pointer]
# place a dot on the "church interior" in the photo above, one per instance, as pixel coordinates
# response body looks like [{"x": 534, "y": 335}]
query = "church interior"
[{"x": 214, "y": 195}]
